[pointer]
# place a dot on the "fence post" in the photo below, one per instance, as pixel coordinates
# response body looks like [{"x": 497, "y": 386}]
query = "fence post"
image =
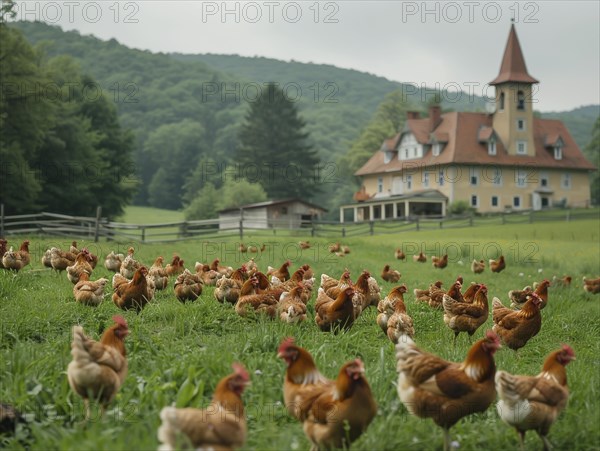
[
  {"x": 530, "y": 217},
  {"x": 471, "y": 221},
  {"x": 371, "y": 226},
  {"x": 568, "y": 215},
  {"x": 2, "y": 220},
  {"x": 97, "y": 231},
  {"x": 143, "y": 234},
  {"x": 441, "y": 224},
  {"x": 343, "y": 232}
]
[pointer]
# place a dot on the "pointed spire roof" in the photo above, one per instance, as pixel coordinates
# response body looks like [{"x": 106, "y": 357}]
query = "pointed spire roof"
[{"x": 513, "y": 64}]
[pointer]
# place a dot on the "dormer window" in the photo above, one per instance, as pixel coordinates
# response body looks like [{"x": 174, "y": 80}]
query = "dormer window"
[
  {"x": 436, "y": 149},
  {"x": 557, "y": 152},
  {"x": 522, "y": 147},
  {"x": 520, "y": 101},
  {"x": 492, "y": 147},
  {"x": 387, "y": 157}
]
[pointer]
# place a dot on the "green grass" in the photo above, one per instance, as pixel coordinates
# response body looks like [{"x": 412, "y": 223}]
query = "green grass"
[
  {"x": 171, "y": 343},
  {"x": 149, "y": 215}
]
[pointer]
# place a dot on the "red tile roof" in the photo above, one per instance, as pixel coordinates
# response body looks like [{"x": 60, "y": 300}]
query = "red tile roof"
[
  {"x": 464, "y": 146},
  {"x": 513, "y": 64}
]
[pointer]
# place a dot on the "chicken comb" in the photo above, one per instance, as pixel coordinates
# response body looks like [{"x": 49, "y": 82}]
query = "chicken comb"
[
  {"x": 568, "y": 349},
  {"x": 491, "y": 335},
  {"x": 240, "y": 370},
  {"x": 120, "y": 321},
  {"x": 285, "y": 344}
]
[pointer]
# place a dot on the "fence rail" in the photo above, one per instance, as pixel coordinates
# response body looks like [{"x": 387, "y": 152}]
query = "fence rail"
[{"x": 97, "y": 227}]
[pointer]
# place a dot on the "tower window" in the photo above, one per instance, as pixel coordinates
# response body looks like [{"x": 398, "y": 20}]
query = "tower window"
[
  {"x": 380, "y": 184},
  {"x": 520, "y": 124},
  {"x": 494, "y": 201},
  {"x": 522, "y": 147},
  {"x": 520, "y": 101},
  {"x": 501, "y": 108},
  {"x": 474, "y": 201}
]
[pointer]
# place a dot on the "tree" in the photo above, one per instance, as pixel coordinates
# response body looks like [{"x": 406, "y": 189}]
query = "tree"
[
  {"x": 236, "y": 193},
  {"x": 274, "y": 150},
  {"x": 204, "y": 205},
  {"x": 592, "y": 152}
]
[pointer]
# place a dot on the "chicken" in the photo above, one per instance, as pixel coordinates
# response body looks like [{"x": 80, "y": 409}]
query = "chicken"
[
  {"x": 92, "y": 259},
  {"x": 399, "y": 254},
  {"x": 431, "y": 387},
  {"x": 304, "y": 244},
  {"x": 209, "y": 277},
  {"x": 535, "y": 402},
  {"x": 81, "y": 265},
  {"x": 497, "y": 265},
  {"x": 399, "y": 323},
  {"x": 89, "y": 292},
  {"x": 242, "y": 248},
  {"x": 175, "y": 267},
  {"x": 390, "y": 275},
  {"x": 374, "y": 295},
  {"x": 251, "y": 266},
  {"x": 46, "y": 258},
  {"x": 188, "y": 286},
  {"x": 591, "y": 285},
  {"x": 98, "y": 369},
  {"x": 421, "y": 258},
  {"x": 60, "y": 260},
  {"x": 517, "y": 327},
  {"x": 73, "y": 249},
  {"x": 361, "y": 298},
  {"x": 158, "y": 274},
  {"x": 345, "y": 249},
  {"x": 466, "y": 317},
  {"x": 134, "y": 294},
  {"x": 222, "y": 270},
  {"x": 302, "y": 383},
  {"x": 291, "y": 307},
  {"x": 335, "y": 247},
  {"x": 385, "y": 307},
  {"x": 332, "y": 314},
  {"x": 343, "y": 412},
  {"x": 282, "y": 273},
  {"x": 3, "y": 250},
  {"x": 436, "y": 298},
  {"x": 228, "y": 288},
  {"x": 113, "y": 261},
  {"x": 425, "y": 295},
  {"x": 519, "y": 297},
  {"x": 256, "y": 249},
  {"x": 295, "y": 280},
  {"x": 130, "y": 265},
  {"x": 219, "y": 427},
  {"x": 308, "y": 272},
  {"x": 564, "y": 281},
  {"x": 253, "y": 298},
  {"x": 332, "y": 286},
  {"x": 477, "y": 266},
  {"x": 469, "y": 294},
  {"x": 439, "y": 262},
  {"x": 16, "y": 261}
]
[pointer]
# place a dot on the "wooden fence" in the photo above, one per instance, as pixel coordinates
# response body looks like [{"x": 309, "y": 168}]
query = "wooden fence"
[{"x": 95, "y": 228}]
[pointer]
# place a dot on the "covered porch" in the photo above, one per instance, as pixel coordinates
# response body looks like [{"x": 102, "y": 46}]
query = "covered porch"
[{"x": 429, "y": 203}]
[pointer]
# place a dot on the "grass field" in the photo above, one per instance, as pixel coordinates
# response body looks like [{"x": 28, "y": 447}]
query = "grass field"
[
  {"x": 148, "y": 215},
  {"x": 172, "y": 345}
]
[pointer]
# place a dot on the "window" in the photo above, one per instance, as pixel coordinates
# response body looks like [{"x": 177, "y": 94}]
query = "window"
[
  {"x": 544, "y": 180},
  {"x": 414, "y": 152},
  {"x": 521, "y": 124},
  {"x": 473, "y": 177},
  {"x": 522, "y": 147},
  {"x": 426, "y": 179},
  {"x": 520, "y": 101},
  {"x": 441, "y": 177},
  {"x": 387, "y": 157},
  {"x": 436, "y": 149},
  {"x": 497, "y": 180},
  {"x": 558, "y": 153},
  {"x": 409, "y": 182},
  {"x": 517, "y": 201},
  {"x": 492, "y": 147},
  {"x": 405, "y": 153},
  {"x": 495, "y": 201},
  {"x": 501, "y": 101},
  {"x": 283, "y": 210},
  {"x": 380, "y": 184},
  {"x": 566, "y": 181},
  {"x": 474, "y": 202},
  {"x": 520, "y": 178}
]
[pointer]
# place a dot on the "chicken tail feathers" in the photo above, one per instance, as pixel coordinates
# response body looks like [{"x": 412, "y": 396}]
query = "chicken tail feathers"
[{"x": 167, "y": 432}]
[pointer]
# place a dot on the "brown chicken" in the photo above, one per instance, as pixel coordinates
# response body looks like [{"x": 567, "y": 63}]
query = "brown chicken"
[
  {"x": 175, "y": 267},
  {"x": 564, "y": 281},
  {"x": 399, "y": 323},
  {"x": 361, "y": 298},
  {"x": 390, "y": 275},
  {"x": 535, "y": 402},
  {"x": 304, "y": 244},
  {"x": 436, "y": 298},
  {"x": 332, "y": 287},
  {"x": 333, "y": 314},
  {"x": 158, "y": 274},
  {"x": 374, "y": 295},
  {"x": 223, "y": 270},
  {"x": 113, "y": 261},
  {"x": 130, "y": 265},
  {"x": 291, "y": 307},
  {"x": 282, "y": 273},
  {"x": 421, "y": 258},
  {"x": 469, "y": 294},
  {"x": 134, "y": 294},
  {"x": 60, "y": 260},
  {"x": 221, "y": 426},
  {"x": 517, "y": 327},
  {"x": 519, "y": 297},
  {"x": 89, "y": 292},
  {"x": 425, "y": 295},
  {"x": 399, "y": 254},
  {"x": 228, "y": 289},
  {"x": 385, "y": 307},
  {"x": 343, "y": 412},
  {"x": 335, "y": 247},
  {"x": 81, "y": 265},
  {"x": 254, "y": 298},
  {"x": 591, "y": 285},
  {"x": 497, "y": 265},
  {"x": 466, "y": 317},
  {"x": 302, "y": 383},
  {"x": 431, "y": 387},
  {"x": 208, "y": 276},
  {"x": 477, "y": 266},
  {"x": 15, "y": 261},
  {"x": 3, "y": 250},
  {"x": 98, "y": 369},
  {"x": 440, "y": 262},
  {"x": 188, "y": 286}
]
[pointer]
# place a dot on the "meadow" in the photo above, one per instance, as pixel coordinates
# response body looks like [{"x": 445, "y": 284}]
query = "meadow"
[{"x": 178, "y": 352}]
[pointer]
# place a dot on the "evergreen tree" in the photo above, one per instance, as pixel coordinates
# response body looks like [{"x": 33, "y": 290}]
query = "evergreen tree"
[
  {"x": 592, "y": 152},
  {"x": 274, "y": 150}
]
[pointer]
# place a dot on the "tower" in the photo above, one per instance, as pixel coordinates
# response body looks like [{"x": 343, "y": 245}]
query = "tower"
[{"x": 513, "y": 118}]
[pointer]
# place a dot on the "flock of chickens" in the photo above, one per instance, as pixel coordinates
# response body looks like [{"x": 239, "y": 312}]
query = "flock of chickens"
[{"x": 333, "y": 412}]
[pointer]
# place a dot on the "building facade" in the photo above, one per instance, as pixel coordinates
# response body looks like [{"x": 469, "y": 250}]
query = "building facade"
[{"x": 503, "y": 160}]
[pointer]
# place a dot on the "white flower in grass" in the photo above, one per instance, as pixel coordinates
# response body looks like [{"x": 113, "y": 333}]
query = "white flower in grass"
[
  {"x": 454, "y": 444},
  {"x": 521, "y": 274},
  {"x": 258, "y": 372},
  {"x": 540, "y": 270}
]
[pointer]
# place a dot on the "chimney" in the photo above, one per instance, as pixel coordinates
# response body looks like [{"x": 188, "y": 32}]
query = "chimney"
[
  {"x": 412, "y": 115},
  {"x": 434, "y": 117}
]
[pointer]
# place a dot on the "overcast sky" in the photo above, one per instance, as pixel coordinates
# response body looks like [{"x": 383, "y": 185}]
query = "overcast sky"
[{"x": 444, "y": 44}]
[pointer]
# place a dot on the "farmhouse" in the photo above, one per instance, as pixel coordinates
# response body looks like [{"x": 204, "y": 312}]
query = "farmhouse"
[
  {"x": 505, "y": 159},
  {"x": 284, "y": 213}
]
